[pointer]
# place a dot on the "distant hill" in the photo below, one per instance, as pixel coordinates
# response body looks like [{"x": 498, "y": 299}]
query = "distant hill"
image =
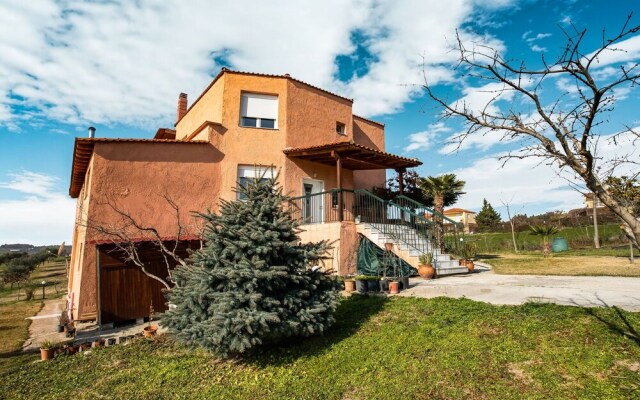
[{"x": 28, "y": 248}]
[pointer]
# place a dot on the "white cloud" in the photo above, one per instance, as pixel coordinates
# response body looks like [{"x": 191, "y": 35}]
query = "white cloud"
[
  {"x": 537, "y": 48},
  {"x": 41, "y": 215},
  {"x": 532, "y": 183},
  {"x": 426, "y": 139},
  {"x": 120, "y": 61},
  {"x": 624, "y": 51}
]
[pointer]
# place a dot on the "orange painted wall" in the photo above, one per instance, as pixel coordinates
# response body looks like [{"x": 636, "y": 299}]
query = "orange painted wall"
[
  {"x": 208, "y": 108},
  {"x": 371, "y": 135},
  {"x": 134, "y": 177}
]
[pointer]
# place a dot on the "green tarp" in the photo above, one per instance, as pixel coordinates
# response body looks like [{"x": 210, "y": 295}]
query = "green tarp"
[{"x": 371, "y": 260}]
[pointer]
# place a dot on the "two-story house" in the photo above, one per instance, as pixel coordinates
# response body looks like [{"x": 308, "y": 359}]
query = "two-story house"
[{"x": 243, "y": 124}]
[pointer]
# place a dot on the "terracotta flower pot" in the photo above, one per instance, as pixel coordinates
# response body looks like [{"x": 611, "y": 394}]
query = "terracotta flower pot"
[
  {"x": 426, "y": 271},
  {"x": 72, "y": 350},
  {"x": 349, "y": 286},
  {"x": 394, "y": 287},
  {"x": 470, "y": 265},
  {"x": 98, "y": 343},
  {"x": 150, "y": 331},
  {"x": 47, "y": 354},
  {"x": 462, "y": 262},
  {"x": 388, "y": 246}
]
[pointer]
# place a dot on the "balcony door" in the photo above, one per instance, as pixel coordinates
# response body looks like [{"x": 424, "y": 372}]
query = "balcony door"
[{"x": 313, "y": 202}]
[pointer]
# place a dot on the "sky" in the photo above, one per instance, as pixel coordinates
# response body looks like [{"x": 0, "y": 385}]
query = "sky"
[{"x": 120, "y": 65}]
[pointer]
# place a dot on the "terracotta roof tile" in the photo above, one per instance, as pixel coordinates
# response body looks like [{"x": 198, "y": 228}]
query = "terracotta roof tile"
[
  {"x": 369, "y": 120},
  {"x": 285, "y": 76}
]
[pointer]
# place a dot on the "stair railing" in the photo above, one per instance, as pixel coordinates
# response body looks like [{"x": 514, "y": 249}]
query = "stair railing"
[
  {"x": 453, "y": 235},
  {"x": 399, "y": 224}
]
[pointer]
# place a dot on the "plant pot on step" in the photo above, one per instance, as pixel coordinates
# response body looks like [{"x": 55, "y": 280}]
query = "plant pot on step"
[
  {"x": 61, "y": 328},
  {"x": 361, "y": 285},
  {"x": 98, "y": 343},
  {"x": 394, "y": 287},
  {"x": 426, "y": 271},
  {"x": 384, "y": 284},
  {"x": 388, "y": 246},
  {"x": 349, "y": 285},
  {"x": 373, "y": 284},
  {"x": 470, "y": 265},
  {"x": 150, "y": 331},
  {"x": 404, "y": 283}
]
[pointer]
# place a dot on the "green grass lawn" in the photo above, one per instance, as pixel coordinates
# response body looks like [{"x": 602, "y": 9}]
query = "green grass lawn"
[
  {"x": 379, "y": 349},
  {"x": 14, "y": 327},
  {"x": 580, "y": 264}
]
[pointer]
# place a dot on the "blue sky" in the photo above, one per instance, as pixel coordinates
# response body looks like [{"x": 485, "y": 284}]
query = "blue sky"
[{"x": 67, "y": 65}]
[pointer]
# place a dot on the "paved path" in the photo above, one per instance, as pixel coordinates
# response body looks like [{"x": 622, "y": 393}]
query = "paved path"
[
  {"x": 583, "y": 291},
  {"x": 44, "y": 326}
]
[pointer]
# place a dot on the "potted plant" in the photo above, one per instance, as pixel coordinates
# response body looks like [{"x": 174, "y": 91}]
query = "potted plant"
[
  {"x": 150, "y": 330},
  {"x": 425, "y": 266},
  {"x": 471, "y": 251},
  {"x": 394, "y": 287},
  {"x": 384, "y": 284},
  {"x": 361, "y": 283},
  {"x": 388, "y": 246},
  {"x": 47, "y": 350},
  {"x": 373, "y": 284},
  {"x": 62, "y": 322},
  {"x": 98, "y": 343},
  {"x": 349, "y": 284}
]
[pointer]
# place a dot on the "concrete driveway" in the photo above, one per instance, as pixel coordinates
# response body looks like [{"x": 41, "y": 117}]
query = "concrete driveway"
[{"x": 582, "y": 291}]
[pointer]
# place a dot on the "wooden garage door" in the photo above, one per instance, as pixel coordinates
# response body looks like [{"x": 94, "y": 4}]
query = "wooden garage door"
[{"x": 126, "y": 292}]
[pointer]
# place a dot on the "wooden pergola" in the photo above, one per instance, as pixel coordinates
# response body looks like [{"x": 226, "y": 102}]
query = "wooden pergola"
[{"x": 353, "y": 156}]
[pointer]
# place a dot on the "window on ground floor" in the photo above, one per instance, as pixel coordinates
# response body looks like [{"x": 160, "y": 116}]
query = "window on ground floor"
[{"x": 248, "y": 173}]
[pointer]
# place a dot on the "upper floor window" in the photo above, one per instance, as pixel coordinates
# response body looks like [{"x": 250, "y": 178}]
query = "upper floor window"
[
  {"x": 341, "y": 128},
  {"x": 259, "y": 111}
]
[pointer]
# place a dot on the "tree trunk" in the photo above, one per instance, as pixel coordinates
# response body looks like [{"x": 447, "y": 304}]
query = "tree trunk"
[
  {"x": 438, "y": 203},
  {"x": 631, "y": 223},
  {"x": 513, "y": 236},
  {"x": 596, "y": 235}
]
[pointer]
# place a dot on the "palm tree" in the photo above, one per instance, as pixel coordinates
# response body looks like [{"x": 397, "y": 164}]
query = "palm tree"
[
  {"x": 545, "y": 231},
  {"x": 445, "y": 190}
]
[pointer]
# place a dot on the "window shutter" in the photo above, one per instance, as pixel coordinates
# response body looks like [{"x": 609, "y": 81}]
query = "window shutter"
[{"x": 259, "y": 106}]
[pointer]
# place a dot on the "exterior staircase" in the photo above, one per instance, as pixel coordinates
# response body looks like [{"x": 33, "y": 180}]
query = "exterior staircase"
[
  {"x": 407, "y": 224},
  {"x": 409, "y": 246}
]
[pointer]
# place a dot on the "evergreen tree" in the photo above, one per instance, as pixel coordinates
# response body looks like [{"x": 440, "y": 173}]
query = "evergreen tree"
[
  {"x": 252, "y": 282},
  {"x": 487, "y": 218}
]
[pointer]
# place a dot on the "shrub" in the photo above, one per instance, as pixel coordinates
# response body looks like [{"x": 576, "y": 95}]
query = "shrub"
[{"x": 252, "y": 282}]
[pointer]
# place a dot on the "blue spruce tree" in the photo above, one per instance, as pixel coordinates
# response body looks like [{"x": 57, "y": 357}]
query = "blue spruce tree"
[{"x": 252, "y": 283}]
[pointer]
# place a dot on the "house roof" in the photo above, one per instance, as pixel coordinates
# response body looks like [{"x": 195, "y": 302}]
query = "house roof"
[
  {"x": 354, "y": 156},
  {"x": 458, "y": 211},
  {"x": 165, "y": 133},
  {"x": 369, "y": 120},
  {"x": 83, "y": 150},
  {"x": 285, "y": 76}
]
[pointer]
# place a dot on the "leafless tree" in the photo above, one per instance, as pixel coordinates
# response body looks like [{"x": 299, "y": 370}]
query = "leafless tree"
[
  {"x": 507, "y": 205},
  {"x": 128, "y": 234},
  {"x": 563, "y": 132}
]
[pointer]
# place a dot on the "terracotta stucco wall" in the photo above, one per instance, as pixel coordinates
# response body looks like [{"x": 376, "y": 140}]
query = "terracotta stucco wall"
[
  {"x": 134, "y": 177},
  {"x": 245, "y": 145},
  {"x": 371, "y": 135},
  {"x": 208, "y": 108}
]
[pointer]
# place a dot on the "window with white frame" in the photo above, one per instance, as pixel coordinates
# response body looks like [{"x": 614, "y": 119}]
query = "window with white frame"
[
  {"x": 249, "y": 173},
  {"x": 259, "y": 110}
]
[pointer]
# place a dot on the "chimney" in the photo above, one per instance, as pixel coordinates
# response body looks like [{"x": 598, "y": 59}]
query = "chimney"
[
  {"x": 92, "y": 132},
  {"x": 182, "y": 106}
]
